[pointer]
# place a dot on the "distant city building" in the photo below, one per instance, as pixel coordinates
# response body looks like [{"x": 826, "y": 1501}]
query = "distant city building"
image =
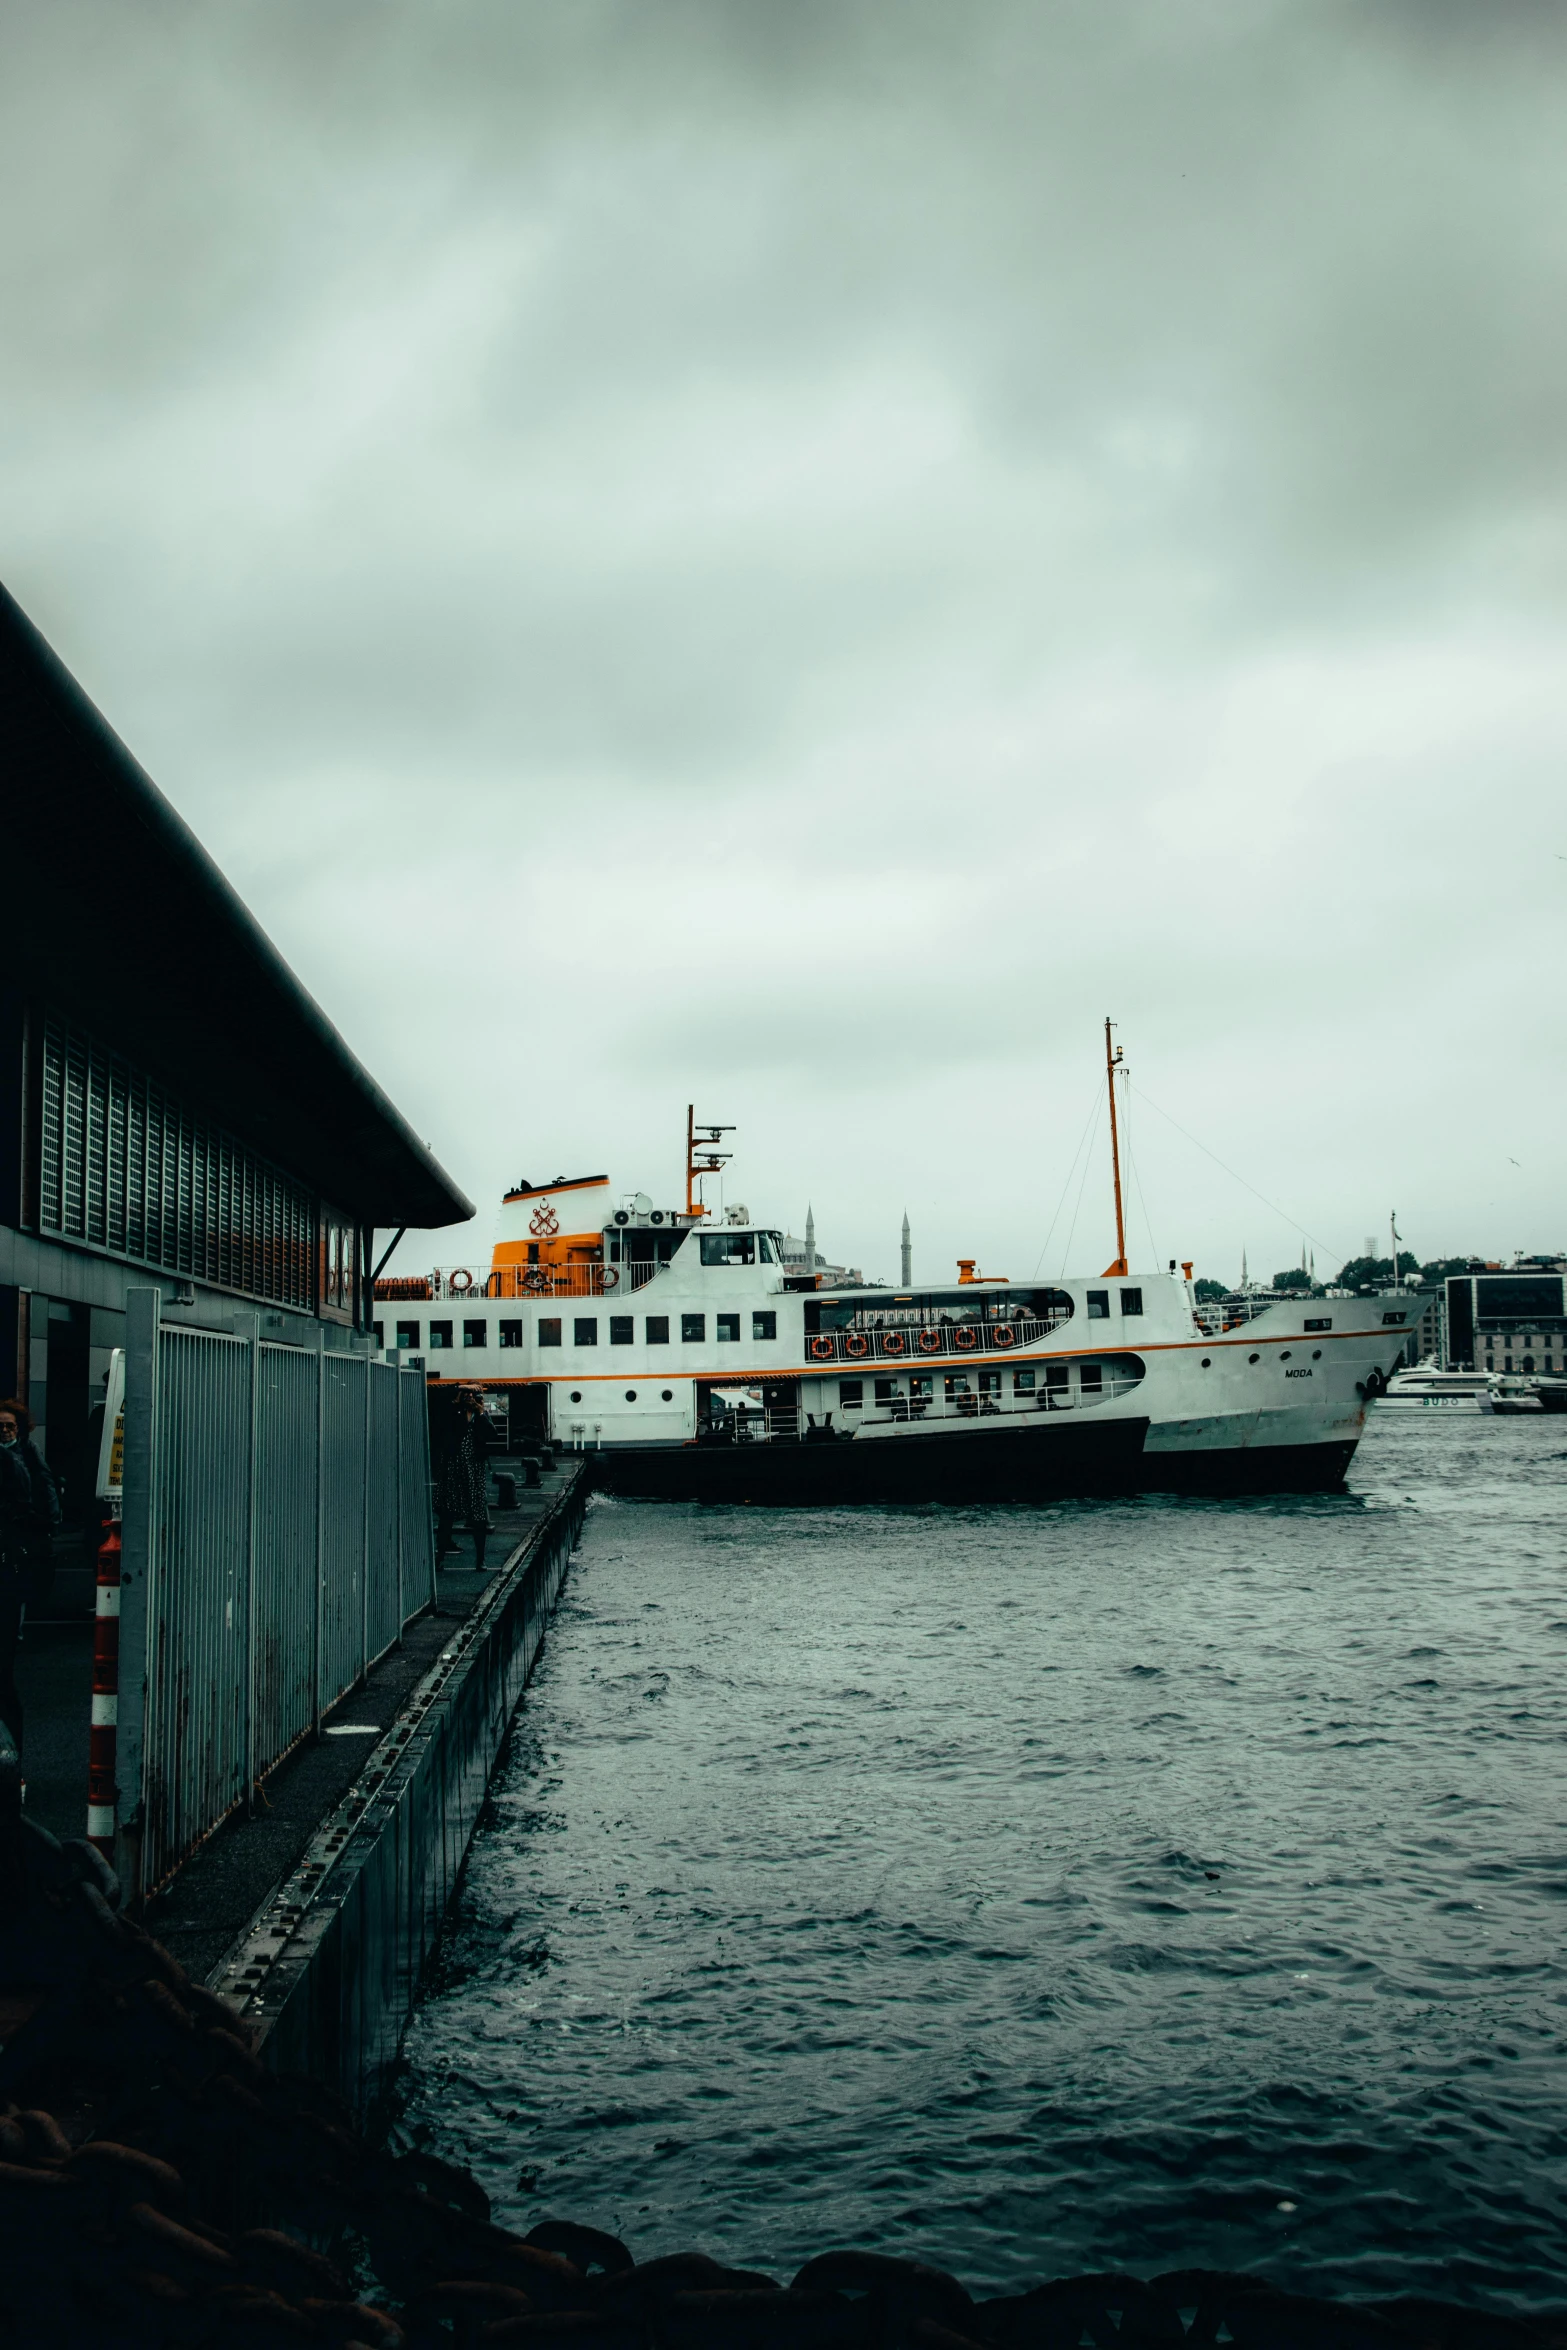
[
  {"x": 803, "y": 1256},
  {"x": 1428, "y": 1338},
  {"x": 1512, "y": 1321}
]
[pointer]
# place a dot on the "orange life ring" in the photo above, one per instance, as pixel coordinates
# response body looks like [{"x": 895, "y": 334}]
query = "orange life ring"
[
  {"x": 821, "y": 1348},
  {"x": 965, "y": 1337},
  {"x": 856, "y": 1345},
  {"x": 893, "y": 1343},
  {"x": 928, "y": 1341},
  {"x": 460, "y": 1282},
  {"x": 1002, "y": 1336},
  {"x": 611, "y": 1276}
]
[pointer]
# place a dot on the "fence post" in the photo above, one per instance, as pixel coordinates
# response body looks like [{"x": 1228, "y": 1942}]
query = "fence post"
[
  {"x": 249, "y": 1327},
  {"x": 316, "y": 1628},
  {"x": 364, "y": 1572},
  {"x": 139, "y": 1593},
  {"x": 399, "y": 1480},
  {"x": 427, "y": 1486}
]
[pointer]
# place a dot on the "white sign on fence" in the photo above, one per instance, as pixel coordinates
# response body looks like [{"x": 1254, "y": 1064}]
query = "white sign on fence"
[{"x": 111, "y": 1448}]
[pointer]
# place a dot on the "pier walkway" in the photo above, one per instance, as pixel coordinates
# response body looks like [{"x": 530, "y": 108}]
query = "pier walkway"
[{"x": 218, "y": 1894}]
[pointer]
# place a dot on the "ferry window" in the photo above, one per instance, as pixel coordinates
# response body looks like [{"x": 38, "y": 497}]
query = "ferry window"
[
  {"x": 1091, "y": 1378},
  {"x": 851, "y": 1394},
  {"x": 622, "y": 1329},
  {"x": 990, "y": 1383},
  {"x": 1131, "y": 1301},
  {"x": 1321, "y": 1322},
  {"x": 407, "y": 1333},
  {"x": 549, "y": 1330},
  {"x": 1058, "y": 1386},
  {"x": 1099, "y": 1305},
  {"x": 585, "y": 1330},
  {"x": 657, "y": 1328},
  {"x": 728, "y": 1329},
  {"x": 693, "y": 1329},
  {"x": 768, "y": 1249},
  {"x": 957, "y": 1384},
  {"x": 669, "y": 1395},
  {"x": 728, "y": 1248},
  {"x": 921, "y": 1387},
  {"x": 1022, "y": 1382},
  {"x": 887, "y": 1391},
  {"x": 440, "y": 1336},
  {"x": 476, "y": 1334},
  {"x": 764, "y": 1325},
  {"x": 511, "y": 1334}
]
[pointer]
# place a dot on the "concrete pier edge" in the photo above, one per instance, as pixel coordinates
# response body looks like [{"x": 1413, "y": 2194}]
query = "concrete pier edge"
[{"x": 327, "y": 1971}]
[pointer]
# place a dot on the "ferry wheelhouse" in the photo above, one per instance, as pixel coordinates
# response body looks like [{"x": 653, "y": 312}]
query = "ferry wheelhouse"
[{"x": 676, "y": 1347}]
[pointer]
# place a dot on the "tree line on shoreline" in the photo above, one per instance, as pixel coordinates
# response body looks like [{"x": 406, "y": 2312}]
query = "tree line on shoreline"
[{"x": 1359, "y": 1273}]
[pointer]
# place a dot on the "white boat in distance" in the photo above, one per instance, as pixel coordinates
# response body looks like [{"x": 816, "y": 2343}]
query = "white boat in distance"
[
  {"x": 1428, "y": 1387},
  {"x": 678, "y": 1349}
]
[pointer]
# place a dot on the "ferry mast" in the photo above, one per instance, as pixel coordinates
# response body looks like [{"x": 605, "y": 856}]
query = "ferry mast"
[{"x": 1112, "y": 1063}]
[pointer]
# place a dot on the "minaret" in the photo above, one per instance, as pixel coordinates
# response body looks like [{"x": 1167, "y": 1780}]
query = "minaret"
[
  {"x": 907, "y": 1273},
  {"x": 810, "y": 1238},
  {"x": 1243, "y": 1268}
]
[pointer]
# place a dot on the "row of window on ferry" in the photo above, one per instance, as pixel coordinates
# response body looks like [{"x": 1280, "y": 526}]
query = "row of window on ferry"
[
  {"x": 585, "y": 1331},
  {"x": 919, "y": 1387}
]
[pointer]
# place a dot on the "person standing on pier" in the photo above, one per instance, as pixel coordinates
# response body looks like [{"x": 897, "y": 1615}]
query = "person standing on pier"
[
  {"x": 29, "y": 1511},
  {"x": 461, "y": 1477}
]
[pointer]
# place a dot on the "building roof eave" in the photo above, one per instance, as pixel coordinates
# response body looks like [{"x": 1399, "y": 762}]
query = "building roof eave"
[{"x": 121, "y": 920}]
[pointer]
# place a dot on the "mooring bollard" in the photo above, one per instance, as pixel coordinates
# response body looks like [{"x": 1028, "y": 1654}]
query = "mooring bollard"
[{"x": 102, "y": 1793}]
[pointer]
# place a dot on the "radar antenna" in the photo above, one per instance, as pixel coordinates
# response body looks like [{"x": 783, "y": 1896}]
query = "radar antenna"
[{"x": 702, "y": 1156}]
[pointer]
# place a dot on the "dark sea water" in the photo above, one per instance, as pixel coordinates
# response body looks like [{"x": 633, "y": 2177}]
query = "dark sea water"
[{"x": 1129, "y": 1884}]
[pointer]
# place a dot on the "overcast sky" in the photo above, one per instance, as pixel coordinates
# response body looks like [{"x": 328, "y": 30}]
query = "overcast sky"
[{"x": 799, "y": 556}]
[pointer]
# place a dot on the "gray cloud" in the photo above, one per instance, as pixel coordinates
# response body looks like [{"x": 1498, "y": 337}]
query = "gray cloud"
[{"x": 814, "y": 551}]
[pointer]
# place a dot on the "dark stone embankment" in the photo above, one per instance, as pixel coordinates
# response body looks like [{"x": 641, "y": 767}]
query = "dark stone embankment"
[{"x": 160, "y": 2189}]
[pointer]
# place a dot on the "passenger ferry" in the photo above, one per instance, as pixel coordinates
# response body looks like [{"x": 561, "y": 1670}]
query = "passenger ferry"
[{"x": 676, "y": 1347}]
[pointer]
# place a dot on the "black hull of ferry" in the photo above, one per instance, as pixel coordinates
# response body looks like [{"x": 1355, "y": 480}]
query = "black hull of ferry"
[{"x": 978, "y": 1465}]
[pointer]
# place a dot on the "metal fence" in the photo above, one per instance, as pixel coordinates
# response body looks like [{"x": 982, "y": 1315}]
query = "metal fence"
[{"x": 277, "y": 1539}]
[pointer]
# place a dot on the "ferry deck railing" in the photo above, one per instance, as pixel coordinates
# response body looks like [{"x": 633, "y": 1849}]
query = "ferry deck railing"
[
  {"x": 453, "y": 1284},
  {"x": 913, "y": 1343},
  {"x": 752, "y": 1425}
]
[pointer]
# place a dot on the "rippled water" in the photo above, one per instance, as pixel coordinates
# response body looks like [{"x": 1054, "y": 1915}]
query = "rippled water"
[{"x": 1115, "y": 1884}]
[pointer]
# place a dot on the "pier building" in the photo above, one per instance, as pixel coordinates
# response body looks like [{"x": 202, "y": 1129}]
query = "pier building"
[
  {"x": 175, "y": 1109},
  {"x": 193, "y": 1169}
]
